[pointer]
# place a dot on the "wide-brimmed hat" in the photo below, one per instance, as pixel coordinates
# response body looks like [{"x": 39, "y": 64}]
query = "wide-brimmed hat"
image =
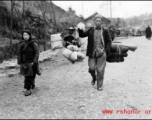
[{"x": 71, "y": 28}]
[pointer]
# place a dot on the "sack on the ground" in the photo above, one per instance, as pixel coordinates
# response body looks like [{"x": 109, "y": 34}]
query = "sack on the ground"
[
  {"x": 26, "y": 69},
  {"x": 56, "y": 41}
]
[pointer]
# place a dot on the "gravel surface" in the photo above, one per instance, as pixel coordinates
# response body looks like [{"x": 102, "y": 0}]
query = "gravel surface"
[{"x": 64, "y": 90}]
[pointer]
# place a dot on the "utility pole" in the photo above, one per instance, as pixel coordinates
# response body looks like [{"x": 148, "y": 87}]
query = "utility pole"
[
  {"x": 110, "y": 9},
  {"x": 82, "y": 8}
]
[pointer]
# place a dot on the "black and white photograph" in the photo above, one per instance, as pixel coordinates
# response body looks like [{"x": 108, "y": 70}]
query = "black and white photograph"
[{"x": 75, "y": 59}]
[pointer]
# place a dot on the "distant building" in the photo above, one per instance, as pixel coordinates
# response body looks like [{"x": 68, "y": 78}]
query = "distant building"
[
  {"x": 89, "y": 22},
  {"x": 147, "y": 21}
]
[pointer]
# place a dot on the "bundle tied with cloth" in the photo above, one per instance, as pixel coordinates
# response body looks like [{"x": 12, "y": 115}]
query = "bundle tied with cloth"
[
  {"x": 83, "y": 41},
  {"x": 73, "y": 56}
]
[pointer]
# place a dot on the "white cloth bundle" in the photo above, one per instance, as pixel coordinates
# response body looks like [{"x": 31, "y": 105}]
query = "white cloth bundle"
[
  {"x": 81, "y": 26},
  {"x": 69, "y": 54},
  {"x": 82, "y": 41},
  {"x": 72, "y": 56}
]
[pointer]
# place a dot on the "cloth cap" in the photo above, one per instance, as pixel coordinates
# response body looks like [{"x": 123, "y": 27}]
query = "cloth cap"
[
  {"x": 27, "y": 31},
  {"x": 98, "y": 16}
]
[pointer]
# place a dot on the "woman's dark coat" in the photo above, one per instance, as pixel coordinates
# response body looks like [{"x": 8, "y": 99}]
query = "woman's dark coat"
[{"x": 30, "y": 54}]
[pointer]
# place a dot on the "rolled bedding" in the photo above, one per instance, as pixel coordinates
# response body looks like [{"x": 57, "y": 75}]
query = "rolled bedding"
[
  {"x": 115, "y": 59},
  {"x": 118, "y": 48},
  {"x": 118, "y": 55}
]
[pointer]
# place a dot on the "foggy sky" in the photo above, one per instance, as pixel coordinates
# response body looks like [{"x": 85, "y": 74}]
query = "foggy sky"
[{"x": 120, "y": 9}]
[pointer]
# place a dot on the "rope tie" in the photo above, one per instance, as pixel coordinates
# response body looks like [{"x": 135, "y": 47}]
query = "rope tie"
[{"x": 119, "y": 53}]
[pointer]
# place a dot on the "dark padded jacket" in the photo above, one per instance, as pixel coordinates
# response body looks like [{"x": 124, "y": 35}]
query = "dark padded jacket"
[
  {"x": 90, "y": 34},
  {"x": 30, "y": 54}
]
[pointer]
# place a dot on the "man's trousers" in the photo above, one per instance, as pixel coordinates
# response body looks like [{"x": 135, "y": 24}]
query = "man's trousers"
[{"x": 98, "y": 64}]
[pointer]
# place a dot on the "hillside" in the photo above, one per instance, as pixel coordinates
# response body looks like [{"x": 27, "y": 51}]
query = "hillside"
[
  {"x": 41, "y": 25},
  {"x": 62, "y": 17}
]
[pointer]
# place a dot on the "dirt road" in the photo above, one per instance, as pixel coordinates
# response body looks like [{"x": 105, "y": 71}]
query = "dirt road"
[{"x": 64, "y": 89}]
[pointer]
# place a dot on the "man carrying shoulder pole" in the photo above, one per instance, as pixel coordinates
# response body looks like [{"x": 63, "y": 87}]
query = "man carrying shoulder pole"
[{"x": 98, "y": 48}]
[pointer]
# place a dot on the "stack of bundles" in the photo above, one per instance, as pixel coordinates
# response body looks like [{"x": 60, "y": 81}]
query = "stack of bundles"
[
  {"x": 116, "y": 57},
  {"x": 119, "y": 51}
]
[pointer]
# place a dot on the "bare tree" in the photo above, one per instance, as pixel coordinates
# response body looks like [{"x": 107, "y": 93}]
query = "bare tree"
[
  {"x": 12, "y": 6},
  {"x": 118, "y": 22},
  {"x": 42, "y": 6},
  {"x": 54, "y": 16},
  {"x": 23, "y": 14},
  {"x": 1, "y": 12},
  {"x": 71, "y": 16},
  {"x": 19, "y": 15}
]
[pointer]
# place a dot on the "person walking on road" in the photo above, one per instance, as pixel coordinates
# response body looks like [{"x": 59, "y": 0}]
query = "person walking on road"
[
  {"x": 148, "y": 32},
  {"x": 28, "y": 55},
  {"x": 99, "y": 44}
]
